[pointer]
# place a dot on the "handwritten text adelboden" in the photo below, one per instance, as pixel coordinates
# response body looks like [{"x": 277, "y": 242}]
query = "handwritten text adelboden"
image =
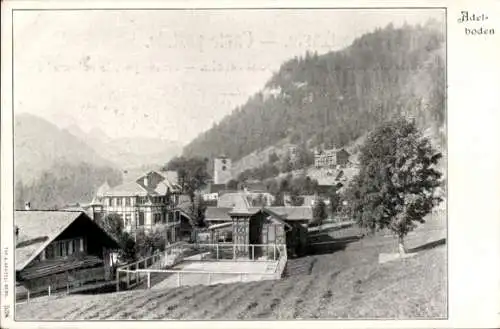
[{"x": 475, "y": 23}]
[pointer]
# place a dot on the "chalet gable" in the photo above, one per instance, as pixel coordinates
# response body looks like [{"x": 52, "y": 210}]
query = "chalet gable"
[
  {"x": 150, "y": 180},
  {"x": 39, "y": 228}
]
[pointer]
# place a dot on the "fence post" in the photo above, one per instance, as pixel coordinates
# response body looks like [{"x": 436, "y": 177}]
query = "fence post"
[
  {"x": 137, "y": 274},
  {"x": 49, "y": 290},
  {"x": 28, "y": 296},
  {"x": 234, "y": 251},
  {"x": 117, "y": 280},
  {"x": 67, "y": 288},
  {"x": 274, "y": 252},
  {"x": 253, "y": 252},
  {"x": 178, "y": 279},
  {"x": 217, "y": 251},
  {"x": 128, "y": 279},
  {"x": 149, "y": 280}
]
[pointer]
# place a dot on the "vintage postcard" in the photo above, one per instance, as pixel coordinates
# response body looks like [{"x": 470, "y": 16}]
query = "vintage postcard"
[{"x": 214, "y": 164}]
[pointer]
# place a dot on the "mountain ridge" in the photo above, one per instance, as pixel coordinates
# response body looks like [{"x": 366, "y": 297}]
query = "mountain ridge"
[
  {"x": 331, "y": 100},
  {"x": 38, "y": 144}
]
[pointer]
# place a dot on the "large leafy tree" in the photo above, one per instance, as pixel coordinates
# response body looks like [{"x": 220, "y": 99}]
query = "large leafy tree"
[
  {"x": 113, "y": 225},
  {"x": 192, "y": 173},
  {"x": 197, "y": 210},
  {"x": 395, "y": 188},
  {"x": 319, "y": 212}
]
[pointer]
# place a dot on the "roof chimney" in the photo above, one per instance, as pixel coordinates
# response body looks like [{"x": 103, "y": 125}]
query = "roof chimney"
[{"x": 27, "y": 205}]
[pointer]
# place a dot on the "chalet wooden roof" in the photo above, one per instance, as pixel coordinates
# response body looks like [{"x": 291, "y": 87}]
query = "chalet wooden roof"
[
  {"x": 133, "y": 188},
  {"x": 186, "y": 214},
  {"x": 219, "y": 226},
  {"x": 276, "y": 217},
  {"x": 38, "y": 228},
  {"x": 293, "y": 213},
  {"x": 233, "y": 200},
  {"x": 284, "y": 213},
  {"x": 218, "y": 214},
  {"x": 44, "y": 268}
]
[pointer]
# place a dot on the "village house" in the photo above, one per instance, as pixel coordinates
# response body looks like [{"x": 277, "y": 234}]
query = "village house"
[
  {"x": 270, "y": 225},
  {"x": 182, "y": 215},
  {"x": 60, "y": 250},
  {"x": 142, "y": 204},
  {"x": 238, "y": 222}
]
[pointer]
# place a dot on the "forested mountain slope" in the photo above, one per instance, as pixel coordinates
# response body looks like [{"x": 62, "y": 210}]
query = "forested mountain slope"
[
  {"x": 334, "y": 98},
  {"x": 53, "y": 167},
  {"x": 38, "y": 144}
]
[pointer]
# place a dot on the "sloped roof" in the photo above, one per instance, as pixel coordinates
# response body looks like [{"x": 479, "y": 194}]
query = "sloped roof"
[
  {"x": 233, "y": 200},
  {"x": 221, "y": 225},
  {"x": 133, "y": 188},
  {"x": 276, "y": 217},
  {"x": 184, "y": 198},
  {"x": 127, "y": 189},
  {"x": 38, "y": 228},
  {"x": 171, "y": 176},
  {"x": 293, "y": 213},
  {"x": 186, "y": 214},
  {"x": 103, "y": 188},
  {"x": 255, "y": 186},
  {"x": 217, "y": 214},
  {"x": 184, "y": 206}
]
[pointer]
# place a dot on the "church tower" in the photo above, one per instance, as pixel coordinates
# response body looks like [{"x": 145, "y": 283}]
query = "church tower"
[{"x": 222, "y": 170}]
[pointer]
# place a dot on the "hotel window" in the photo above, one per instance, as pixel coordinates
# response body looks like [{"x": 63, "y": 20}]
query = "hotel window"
[
  {"x": 141, "y": 218},
  {"x": 119, "y": 201},
  {"x": 128, "y": 201},
  {"x": 122, "y": 219}
]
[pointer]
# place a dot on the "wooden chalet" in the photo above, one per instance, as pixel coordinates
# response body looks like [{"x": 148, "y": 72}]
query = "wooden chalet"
[
  {"x": 61, "y": 249},
  {"x": 260, "y": 226}
]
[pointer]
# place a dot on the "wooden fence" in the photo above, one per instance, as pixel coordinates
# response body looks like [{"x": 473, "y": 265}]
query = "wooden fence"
[
  {"x": 171, "y": 256},
  {"x": 133, "y": 274},
  {"x": 63, "y": 284}
]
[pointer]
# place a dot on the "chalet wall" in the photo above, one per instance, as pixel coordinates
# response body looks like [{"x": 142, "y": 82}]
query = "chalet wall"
[{"x": 73, "y": 278}]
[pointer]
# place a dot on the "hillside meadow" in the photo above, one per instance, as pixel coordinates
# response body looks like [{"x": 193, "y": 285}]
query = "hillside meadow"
[{"x": 344, "y": 283}]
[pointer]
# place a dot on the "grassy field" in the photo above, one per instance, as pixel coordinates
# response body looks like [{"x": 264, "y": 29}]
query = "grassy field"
[{"x": 344, "y": 282}]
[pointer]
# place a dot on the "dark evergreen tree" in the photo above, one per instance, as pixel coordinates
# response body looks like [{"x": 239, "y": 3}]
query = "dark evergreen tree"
[{"x": 337, "y": 97}]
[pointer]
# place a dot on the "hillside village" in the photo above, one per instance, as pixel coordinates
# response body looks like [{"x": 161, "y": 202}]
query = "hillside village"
[
  {"x": 57, "y": 252},
  {"x": 264, "y": 216}
]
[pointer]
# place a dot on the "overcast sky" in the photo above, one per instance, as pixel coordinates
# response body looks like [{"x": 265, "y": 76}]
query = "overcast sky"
[{"x": 168, "y": 74}]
